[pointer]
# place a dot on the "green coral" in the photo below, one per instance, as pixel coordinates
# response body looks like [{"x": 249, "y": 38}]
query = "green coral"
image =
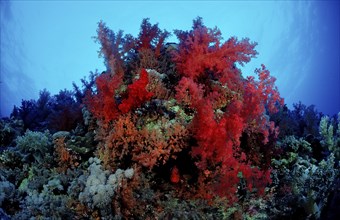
[
  {"x": 35, "y": 144},
  {"x": 173, "y": 106},
  {"x": 309, "y": 182},
  {"x": 327, "y": 132},
  {"x": 250, "y": 209},
  {"x": 81, "y": 145},
  {"x": 24, "y": 183},
  {"x": 330, "y": 139},
  {"x": 294, "y": 148}
]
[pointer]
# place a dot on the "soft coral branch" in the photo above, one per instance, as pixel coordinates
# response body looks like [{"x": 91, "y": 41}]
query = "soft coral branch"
[
  {"x": 151, "y": 37},
  {"x": 102, "y": 103},
  {"x": 137, "y": 93},
  {"x": 201, "y": 50}
]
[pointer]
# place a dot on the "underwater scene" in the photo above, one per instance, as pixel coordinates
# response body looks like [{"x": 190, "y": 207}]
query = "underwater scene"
[{"x": 169, "y": 130}]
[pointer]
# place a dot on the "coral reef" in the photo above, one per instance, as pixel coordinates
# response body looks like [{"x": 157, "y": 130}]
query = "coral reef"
[{"x": 169, "y": 131}]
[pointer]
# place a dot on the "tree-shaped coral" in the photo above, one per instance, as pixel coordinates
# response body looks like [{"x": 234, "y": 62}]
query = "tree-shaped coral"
[
  {"x": 201, "y": 52},
  {"x": 225, "y": 103},
  {"x": 210, "y": 108}
]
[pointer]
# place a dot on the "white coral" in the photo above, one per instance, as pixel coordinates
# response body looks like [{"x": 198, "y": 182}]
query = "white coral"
[{"x": 101, "y": 185}]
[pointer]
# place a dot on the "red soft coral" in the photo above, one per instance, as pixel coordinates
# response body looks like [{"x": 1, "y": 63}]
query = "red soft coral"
[
  {"x": 114, "y": 48},
  {"x": 225, "y": 106},
  {"x": 151, "y": 37},
  {"x": 137, "y": 93},
  {"x": 220, "y": 159},
  {"x": 102, "y": 104},
  {"x": 200, "y": 50},
  {"x": 259, "y": 96},
  {"x": 222, "y": 106},
  {"x": 188, "y": 92}
]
